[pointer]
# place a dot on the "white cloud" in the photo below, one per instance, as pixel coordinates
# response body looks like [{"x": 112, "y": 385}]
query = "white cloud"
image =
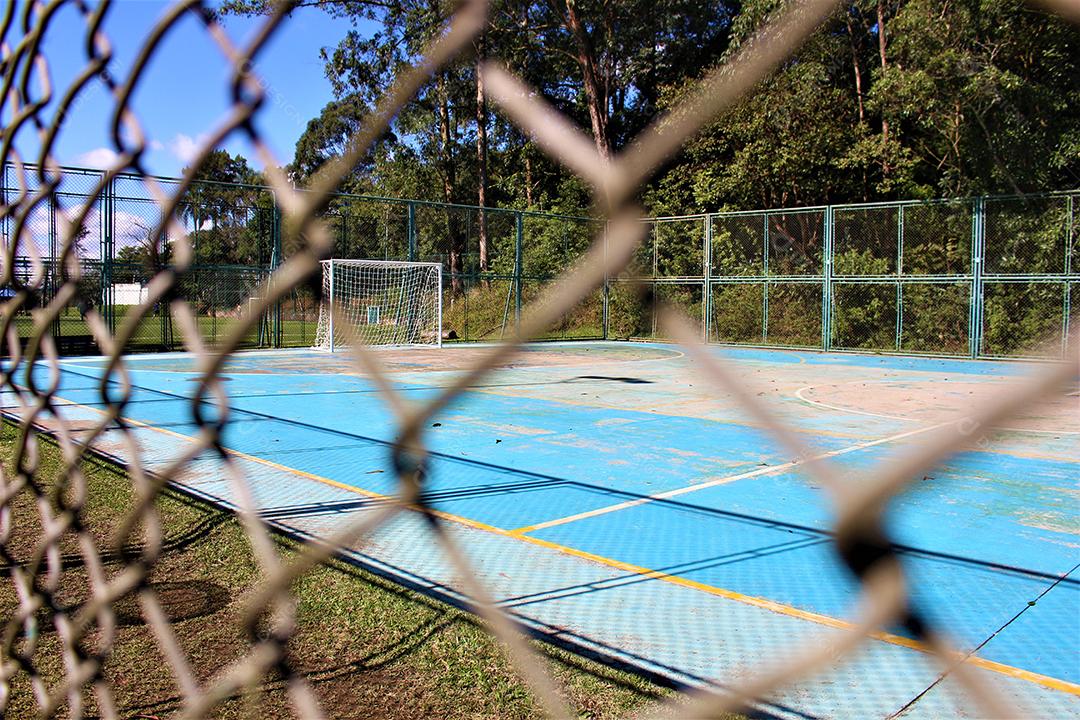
[
  {"x": 101, "y": 157},
  {"x": 38, "y": 230},
  {"x": 130, "y": 229},
  {"x": 157, "y": 145},
  {"x": 185, "y": 147}
]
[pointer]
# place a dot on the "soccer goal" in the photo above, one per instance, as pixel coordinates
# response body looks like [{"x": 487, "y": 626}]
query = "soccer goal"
[{"x": 379, "y": 302}]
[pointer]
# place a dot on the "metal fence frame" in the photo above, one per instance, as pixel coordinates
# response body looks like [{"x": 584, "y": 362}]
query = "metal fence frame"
[
  {"x": 703, "y": 277},
  {"x": 977, "y": 278}
]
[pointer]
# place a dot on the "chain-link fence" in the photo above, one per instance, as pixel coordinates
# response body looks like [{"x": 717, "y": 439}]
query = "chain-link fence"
[
  {"x": 493, "y": 260},
  {"x": 987, "y": 277},
  {"x": 129, "y": 261}
]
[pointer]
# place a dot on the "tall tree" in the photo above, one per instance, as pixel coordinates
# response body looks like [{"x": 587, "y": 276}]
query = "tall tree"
[
  {"x": 328, "y": 136},
  {"x": 988, "y": 94},
  {"x": 481, "y": 152},
  {"x": 892, "y": 99},
  {"x": 228, "y": 215}
]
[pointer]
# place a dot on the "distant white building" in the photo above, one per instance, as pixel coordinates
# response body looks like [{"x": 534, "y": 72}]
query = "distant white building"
[{"x": 130, "y": 294}]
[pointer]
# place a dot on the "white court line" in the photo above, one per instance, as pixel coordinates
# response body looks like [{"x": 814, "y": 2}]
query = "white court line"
[
  {"x": 838, "y": 408},
  {"x": 179, "y": 354},
  {"x": 674, "y": 354},
  {"x": 725, "y": 480}
]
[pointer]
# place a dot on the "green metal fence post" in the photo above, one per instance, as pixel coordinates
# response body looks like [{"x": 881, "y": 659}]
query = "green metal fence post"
[
  {"x": 52, "y": 282},
  {"x": 5, "y": 233},
  {"x": 277, "y": 339},
  {"x": 107, "y": 246},
  {"x": 519, "y": 233},
  {"x": 343, "y": 234},
  {"x": 765, "y": 275},
  {"x": 826, "y": 281},
  {"x": 410, "y": 231},
  {"x": 164, "y": 316},
  {"x": 978, "y": 253},
  {"x": 706, "y": 296},
  {"x": 1070, "y": 245},
  {"x": 214, "y": 303},
  {"x": 655, "y": 225},
  {"x": 899, "y": 274},
  {"x": 607, "y": 287}
]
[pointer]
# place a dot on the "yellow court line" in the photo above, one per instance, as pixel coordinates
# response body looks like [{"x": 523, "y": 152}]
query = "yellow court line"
[
  {"x": 759, "y": 602},
  {"x": 790, "y": 611},
  {"x": 724, "y": 480},
  {"x": 294, "y": 471}
]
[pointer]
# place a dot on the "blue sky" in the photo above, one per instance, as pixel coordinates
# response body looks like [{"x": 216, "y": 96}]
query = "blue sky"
[{"x": 184, "y": 91}]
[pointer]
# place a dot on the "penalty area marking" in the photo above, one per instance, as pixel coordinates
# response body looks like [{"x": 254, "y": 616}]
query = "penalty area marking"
[{"x": 839, "y": 408}]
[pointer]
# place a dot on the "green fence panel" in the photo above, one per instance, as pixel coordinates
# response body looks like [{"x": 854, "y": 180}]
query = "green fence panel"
[{"x": 981, "y": 277}]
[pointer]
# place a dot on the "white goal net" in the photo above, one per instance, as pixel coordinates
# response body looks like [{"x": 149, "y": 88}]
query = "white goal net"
[{"x": 379, "y": 302}]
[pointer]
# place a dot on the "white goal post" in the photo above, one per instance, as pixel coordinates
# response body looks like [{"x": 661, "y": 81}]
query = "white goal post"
[{"x": 382, "y": 302}]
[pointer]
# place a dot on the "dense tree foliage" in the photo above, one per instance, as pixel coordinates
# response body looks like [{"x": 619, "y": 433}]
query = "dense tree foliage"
[
  {"x": 229, "y": 216},
  {"x": 893, "y": 98},
  {"x": 897, "y": 99}
]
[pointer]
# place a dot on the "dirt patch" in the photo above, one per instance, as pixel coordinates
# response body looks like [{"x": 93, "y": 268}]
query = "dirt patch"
[{"x": 939, "y": 400}]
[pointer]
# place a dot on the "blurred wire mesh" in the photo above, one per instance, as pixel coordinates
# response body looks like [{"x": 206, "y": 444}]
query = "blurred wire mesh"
[{"x": 758, "y": 278}]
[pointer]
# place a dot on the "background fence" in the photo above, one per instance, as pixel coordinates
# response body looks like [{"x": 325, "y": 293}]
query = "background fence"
[{"x": 982, "y": 277}]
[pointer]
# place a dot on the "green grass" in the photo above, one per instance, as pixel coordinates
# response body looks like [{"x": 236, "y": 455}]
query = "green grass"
[
  {"x": 150, "y": 331},
  {"x": 477, "y": 314},
  {"x": 485, "y": 312},
  {"x": 369, "y": 648}
]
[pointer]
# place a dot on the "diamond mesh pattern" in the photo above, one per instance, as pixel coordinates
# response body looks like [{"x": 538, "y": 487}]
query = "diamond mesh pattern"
[{"x": 48, "y": 281}]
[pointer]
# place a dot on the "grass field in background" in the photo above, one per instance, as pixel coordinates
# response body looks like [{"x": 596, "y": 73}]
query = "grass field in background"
[
  {"x": 152, "y": 332},
  {"x": 481, "y": 314},
  {"x": 369, "y": 648}
]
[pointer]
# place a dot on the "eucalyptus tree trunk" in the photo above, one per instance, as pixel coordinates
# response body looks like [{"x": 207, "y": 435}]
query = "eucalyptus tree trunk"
[
  {"x": 481, "y": 155},
  {"x": 882, "y": 42},
  {"x": 596, "y": 91}
]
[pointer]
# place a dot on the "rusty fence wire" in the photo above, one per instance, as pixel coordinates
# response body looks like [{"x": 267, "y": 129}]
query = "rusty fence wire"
[{"x": 158, "y": 214}]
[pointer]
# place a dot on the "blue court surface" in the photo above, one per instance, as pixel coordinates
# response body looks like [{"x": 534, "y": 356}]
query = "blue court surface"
[{"x": 614, "y": 501}]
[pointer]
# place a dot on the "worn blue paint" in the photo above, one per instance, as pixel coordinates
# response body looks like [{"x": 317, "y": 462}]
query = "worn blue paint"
[
  {"x": 890, "y": 362},
  {"x": 799, "y": 568},
  {"x": 1045, "y": 635},
  {"x": 981, "y": 537}
]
